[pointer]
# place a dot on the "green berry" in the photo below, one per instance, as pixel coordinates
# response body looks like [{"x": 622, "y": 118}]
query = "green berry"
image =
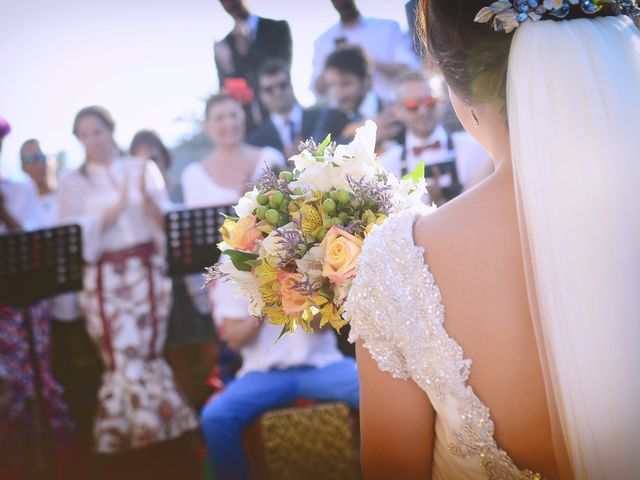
[
  {"x": 320, "y": 234},
  {"x": 263, "y": 199},
  {"x": 261, "y": 212},
  {"x": 338, "y": 221},
  {"x": 286, "y": 176},
  {"x": 272, "y": 216},
  {"x": 341, "y": 196},
  {"x": 329, "y": 206},
  {"x": 344, "y": 216},
  {"x": 283, "y": 219},
  {"x": 276, "y": 199}
]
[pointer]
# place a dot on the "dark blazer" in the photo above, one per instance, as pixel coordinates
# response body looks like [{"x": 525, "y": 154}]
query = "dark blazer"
[
  {"x": 272, "y": 40},
  {"x": 316, "y": 124}
]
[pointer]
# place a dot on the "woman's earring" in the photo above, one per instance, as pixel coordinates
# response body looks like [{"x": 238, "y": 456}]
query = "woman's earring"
[{"x": 475, "y": 117}]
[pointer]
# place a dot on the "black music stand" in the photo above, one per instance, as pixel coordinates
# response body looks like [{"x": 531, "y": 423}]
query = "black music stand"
[
  {"x": 192, "y": 238},
  {"x": 36, "y": 265}
]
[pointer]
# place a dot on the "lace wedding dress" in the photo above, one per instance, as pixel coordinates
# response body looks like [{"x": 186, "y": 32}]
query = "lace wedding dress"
[{"x": 406, "y": 335}]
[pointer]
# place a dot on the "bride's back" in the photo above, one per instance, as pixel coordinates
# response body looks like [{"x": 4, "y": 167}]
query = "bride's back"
[{"x": 473, "y": 249}]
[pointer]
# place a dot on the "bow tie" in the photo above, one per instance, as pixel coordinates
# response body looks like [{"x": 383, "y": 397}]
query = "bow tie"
[{"x": 417, "y": 151}]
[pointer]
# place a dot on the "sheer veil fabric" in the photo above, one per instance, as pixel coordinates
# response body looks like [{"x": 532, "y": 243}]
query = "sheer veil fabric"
[{"x": 574, "y": 119}]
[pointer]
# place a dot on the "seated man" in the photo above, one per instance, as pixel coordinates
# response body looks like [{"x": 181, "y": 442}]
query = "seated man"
[
  {"x": 347, "y": 75},
  {"x": 273, "y": 375},
  {"x": 288, "y": 123},
  {"x": 451, "y": 160}
]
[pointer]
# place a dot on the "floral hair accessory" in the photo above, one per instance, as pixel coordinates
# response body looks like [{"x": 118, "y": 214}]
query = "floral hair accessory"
[
  {"x": 5, "y": 128},
  {"x": 506, "y": 16}
]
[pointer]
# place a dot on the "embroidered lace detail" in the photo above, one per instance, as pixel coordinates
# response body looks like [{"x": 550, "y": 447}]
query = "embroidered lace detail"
[{"x": 396, "y": 308}]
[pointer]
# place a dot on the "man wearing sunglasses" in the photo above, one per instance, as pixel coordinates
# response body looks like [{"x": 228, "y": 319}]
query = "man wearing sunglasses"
[
  {"x": 445, "y": 155},
  {"x": 288, "y": 123},
  {"x": 42, "y": 170}
]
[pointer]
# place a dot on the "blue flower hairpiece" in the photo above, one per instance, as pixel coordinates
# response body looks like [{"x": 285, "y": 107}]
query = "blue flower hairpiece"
[{"x": 507, "y": 15}]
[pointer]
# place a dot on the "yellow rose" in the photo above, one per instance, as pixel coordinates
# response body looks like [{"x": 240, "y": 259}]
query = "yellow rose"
[
  {"x": 292, "y": 300},
  {"x": 340, "y": 251},
  {"x": 241, "y": 235}
]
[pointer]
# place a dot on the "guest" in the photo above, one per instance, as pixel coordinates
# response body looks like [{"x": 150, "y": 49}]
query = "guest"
[
  {"x": 391, "y": 50},
  {"x": 20, "y": 210},
  {"x": 302, "y": 365},
  {"x": 74, "y": 359},
  {"x": 222, "y": 177},
  {"x": 446, "y": 156},
  {"x": 288, "y": 123},
  {"x": 348, "y": 79},
  {"x": 147, "y": 144},
  {"x": 42, "y": 171},
  {"x": 119, "y": 202},
  {"x": 192, "y": 344},
  {"x": 240, "y": 54}
]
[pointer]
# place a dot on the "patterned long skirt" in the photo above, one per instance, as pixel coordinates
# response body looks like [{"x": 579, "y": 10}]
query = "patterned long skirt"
[
  {"x": 20, "y": 435},
  {"x": 126, "y": 305}
]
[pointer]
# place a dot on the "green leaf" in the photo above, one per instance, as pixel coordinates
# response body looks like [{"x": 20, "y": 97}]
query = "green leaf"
[
  {"x": 240, "y": 259},
  {"x": 253, "y": 263},
  {"x": 323, "y": 146},
  {"x": 229, "y": 217},
  {"x": 285, "y": 329},
  {"x": 417, "y": 174}
]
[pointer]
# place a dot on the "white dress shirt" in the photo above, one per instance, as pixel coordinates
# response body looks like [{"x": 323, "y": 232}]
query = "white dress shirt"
[
  {"x": 380, "y": 38},
  {"x": 284, "y": 125},
  {"x": 468, "y": 154},
  {"x": 263, "y": 354}
]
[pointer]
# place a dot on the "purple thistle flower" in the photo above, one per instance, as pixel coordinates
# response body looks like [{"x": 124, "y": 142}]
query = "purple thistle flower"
[
  {"x": 306, "y": 287},
  {"x": 371, "y": 192},
  {"x": 292, "y": 243}
]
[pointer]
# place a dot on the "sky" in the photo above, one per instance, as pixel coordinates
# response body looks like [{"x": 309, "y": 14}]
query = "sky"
[{"x": 149, "y": 62}]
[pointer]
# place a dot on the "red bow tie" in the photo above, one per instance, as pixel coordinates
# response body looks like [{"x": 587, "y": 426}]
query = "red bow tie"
[{"x": 417, "y": 151}]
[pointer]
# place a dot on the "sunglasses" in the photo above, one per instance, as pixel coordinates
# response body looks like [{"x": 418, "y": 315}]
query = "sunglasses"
[
  {"x": 33, "y": 158},
  {"x": 413, "y": 104},
  {"x": 278, "y": 86}
]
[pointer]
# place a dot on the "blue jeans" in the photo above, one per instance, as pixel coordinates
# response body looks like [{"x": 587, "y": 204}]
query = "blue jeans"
[{"x": 246, "y": 398}]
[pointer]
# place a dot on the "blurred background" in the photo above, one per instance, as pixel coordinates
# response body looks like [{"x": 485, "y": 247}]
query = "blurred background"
[{"x": 150, "y": 63}]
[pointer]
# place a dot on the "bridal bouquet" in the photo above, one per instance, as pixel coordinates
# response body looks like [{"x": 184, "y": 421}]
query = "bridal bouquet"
[{"x": 295, "y": 242}]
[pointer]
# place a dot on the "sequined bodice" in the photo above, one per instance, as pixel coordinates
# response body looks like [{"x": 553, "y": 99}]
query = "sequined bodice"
[{"x": 396, "y": 309}]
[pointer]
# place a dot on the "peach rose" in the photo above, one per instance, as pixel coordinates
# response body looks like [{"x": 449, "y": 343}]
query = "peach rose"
[
  {"x": 292, "y": 300},
  {"x": 241, "y": 235},
  {"x": 340, "y": 251}
]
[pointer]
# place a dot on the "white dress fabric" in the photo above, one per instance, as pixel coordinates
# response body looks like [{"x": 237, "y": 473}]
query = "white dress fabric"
[
  {"x": 405, "y": 334},
  {"x": 200, "y": 190}
]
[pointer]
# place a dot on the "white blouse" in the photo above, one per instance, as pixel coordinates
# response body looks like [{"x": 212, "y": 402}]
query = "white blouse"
[
  {"x": 85, "y": 199},
  {"x": 200, "y": 190},
  {"x": 21, "y": 200}
]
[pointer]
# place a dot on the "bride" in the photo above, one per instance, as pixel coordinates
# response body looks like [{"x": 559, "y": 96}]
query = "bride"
[{"x": 533, "y": 275}]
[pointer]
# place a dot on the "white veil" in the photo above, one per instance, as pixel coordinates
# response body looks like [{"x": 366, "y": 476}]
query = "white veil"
[{"x": 574, "y": 118}]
